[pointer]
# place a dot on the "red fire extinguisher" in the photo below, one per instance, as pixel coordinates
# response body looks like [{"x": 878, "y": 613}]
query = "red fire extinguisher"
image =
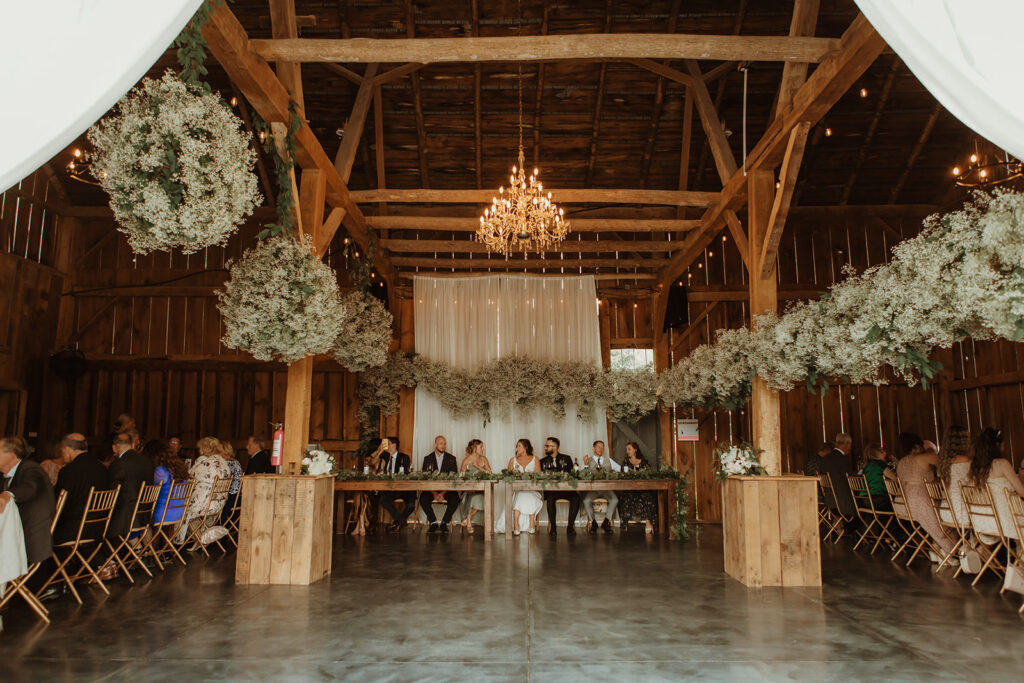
[{"x": 275, "y": 456}]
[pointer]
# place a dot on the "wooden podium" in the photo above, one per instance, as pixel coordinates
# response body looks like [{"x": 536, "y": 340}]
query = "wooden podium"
[
  {"x": 770, "y": 528},
  {"x": 285, "y": 529}
]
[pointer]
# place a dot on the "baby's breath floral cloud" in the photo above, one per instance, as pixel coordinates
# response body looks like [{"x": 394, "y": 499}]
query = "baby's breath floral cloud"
[{"x": 177, "y": 167}]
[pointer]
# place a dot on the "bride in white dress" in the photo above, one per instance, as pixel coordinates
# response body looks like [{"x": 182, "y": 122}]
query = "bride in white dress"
[{"x": 527, "y": 503}]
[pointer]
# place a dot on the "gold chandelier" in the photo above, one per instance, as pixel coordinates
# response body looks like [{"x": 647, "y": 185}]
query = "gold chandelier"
[{"x": 524, "y": 218}]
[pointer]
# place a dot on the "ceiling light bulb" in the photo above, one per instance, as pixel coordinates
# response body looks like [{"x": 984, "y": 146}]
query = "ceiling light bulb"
[
  {"x": 863, "y": 92},
  {"x": 974, "y": 158},
  {"x": 984, "y": 174},
  {"x": 828, "y": 132},
  {"x": 78, "y": 152},
  {"x": 956, "y": 170}
]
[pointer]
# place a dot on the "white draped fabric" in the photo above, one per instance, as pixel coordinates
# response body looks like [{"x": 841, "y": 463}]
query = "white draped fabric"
[
  {"x": 13, "y": 562},
  {"x": 469, "y": 321},
  {"x": 967, "y": 54},
  {"x": 66, "y": 62}
]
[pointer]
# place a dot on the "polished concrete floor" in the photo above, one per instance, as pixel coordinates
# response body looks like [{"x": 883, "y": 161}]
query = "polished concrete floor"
[{"x": 622, "y": 608}]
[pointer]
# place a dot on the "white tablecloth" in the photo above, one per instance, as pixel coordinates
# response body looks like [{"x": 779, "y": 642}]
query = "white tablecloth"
[{"x": 13, "y": 562}]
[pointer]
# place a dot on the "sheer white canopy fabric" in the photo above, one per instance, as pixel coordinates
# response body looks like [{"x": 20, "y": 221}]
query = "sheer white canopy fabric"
[
  {"x": 967, "y": 54},
  {"x": 469, "y": 321},
  {"x": 66, "y": 62}
]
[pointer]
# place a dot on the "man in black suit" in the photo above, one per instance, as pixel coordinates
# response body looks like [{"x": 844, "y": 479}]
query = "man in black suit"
[
  {"x": 259, "y": 457},
  {"x": 554, "y": 461},
  {"x": 130, "y": 470},
  {"x": 82, "y": 472},
  {"x": 440, "y": 460},
  {"x": 837, "y": 464},
  {"x": 394, "y": 462},
  {"x": 26, "y": 484}
]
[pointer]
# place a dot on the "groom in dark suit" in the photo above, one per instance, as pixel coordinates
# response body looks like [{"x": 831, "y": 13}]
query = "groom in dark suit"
[
  {"x": 553, "y": 461},
  {"x": 394, "y": 462},
  {"x": 439, "y": 460}
]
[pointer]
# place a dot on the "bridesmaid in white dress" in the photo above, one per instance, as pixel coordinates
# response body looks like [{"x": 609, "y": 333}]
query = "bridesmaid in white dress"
[{"x": 526, "y": 503}]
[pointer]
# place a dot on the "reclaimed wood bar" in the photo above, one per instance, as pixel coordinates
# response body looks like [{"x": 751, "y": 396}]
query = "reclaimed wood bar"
[
  {"x": 770, "y": 531},
  {"x": 284, "y": 530}
]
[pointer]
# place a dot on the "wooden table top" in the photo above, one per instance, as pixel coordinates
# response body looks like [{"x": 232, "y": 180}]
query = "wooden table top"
[{"x": 413, "y": 484}]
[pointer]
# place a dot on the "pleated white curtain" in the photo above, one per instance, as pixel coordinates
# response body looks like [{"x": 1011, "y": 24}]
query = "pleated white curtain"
[{"x": 469, "y": 321}]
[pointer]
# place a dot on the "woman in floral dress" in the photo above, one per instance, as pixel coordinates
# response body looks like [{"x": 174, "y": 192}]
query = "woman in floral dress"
[
  {"x": 637, "y": 505},
  {"x": 207, "y": 469}
]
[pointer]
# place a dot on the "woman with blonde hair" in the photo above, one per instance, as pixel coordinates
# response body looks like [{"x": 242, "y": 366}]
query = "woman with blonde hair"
[
  {"x": 206, "y": 470},
  {"x": 475, "y": 461}
]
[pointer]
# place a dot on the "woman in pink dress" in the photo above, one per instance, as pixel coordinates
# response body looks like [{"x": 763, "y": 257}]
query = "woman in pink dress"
[{"x": 915, "y": 467}]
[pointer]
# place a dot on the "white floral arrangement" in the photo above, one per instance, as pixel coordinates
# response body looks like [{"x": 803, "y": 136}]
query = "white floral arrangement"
[
  {"x": 737, "y": 460},
  {"x": 365, "y": 332},
  {"x": 281, "y": 302},
  {"x": 177, "y": 166},
  {"x": 318, "y": 462}
]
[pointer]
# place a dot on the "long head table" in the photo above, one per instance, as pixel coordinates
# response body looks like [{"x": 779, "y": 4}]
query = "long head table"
[{"x": 665, "y": 489}]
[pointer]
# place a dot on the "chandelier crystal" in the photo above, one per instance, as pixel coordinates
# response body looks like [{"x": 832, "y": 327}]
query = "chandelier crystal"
[{"x": 523, "y": 218}]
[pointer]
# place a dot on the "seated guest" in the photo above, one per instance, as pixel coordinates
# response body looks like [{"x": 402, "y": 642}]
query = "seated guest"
[
  {"x": 259, "y": 457},
  {"x": 553, "y": 461},
  {"x": 639, "y": 506},
  {"x": 875, "y": 473},
  {"x": 236, "y": 479},
  {"x": 130, "y": 470},
  {"x": 206, "y": 470},
  {"x": 365, "y": 502},
  {"x": 26, "y": 485},
  {"x": 169, "y": 468},
  {"x": 988, "y": 466},
  {"x": 439, "y": 460},
  {"x": 528, "y": 503},
  {"x": 837, "y": 465},
  {"x": 174, "y": 444},
  {"x": 53, "y": 464},
  {"x": 915, "y": 467},
  {"x": 814, "y": 460},
  {"x": 604, "y": 462},
  {"x": 396, "y": 463},
  {"x": 472, "y": 463},
  {"x": 81, "y": 473}
]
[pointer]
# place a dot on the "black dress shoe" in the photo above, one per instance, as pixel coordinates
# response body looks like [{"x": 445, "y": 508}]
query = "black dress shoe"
[
  {"x": 606, "y": 525},
  {"x": 570, "y": 530},
  {"x": 433, "y": 528},
  {"x": 51, "y": 593},
  {"x": 443, "y": 527},
  {"x": 552, "y": 530},
  {"x": 592, "y": 527}
]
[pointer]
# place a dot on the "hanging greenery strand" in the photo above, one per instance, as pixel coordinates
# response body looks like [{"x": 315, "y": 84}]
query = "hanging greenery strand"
[
  {"x": 191, "y": 47},
  {"x": 283, "y": 168}
]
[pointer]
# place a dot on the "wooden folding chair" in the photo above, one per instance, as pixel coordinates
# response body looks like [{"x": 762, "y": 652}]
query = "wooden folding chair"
[
  {"x": 95, "y": 520},
  {"x": 122, "y": 549},
  {"x": 1017, "y": 517},
  {"x": 981, "y": 509},
  {"x": 233, "y": 519},
  {"x": 161, "y": 542},
  {"x": 939, "y": 497},
  {"x": 917, "y": 538},
  {"x": 834, "y": 519},
  {"x": 18, "y": 587},
  {"x": 210, "y": 517},
  {"x": 865, "y": 509}
]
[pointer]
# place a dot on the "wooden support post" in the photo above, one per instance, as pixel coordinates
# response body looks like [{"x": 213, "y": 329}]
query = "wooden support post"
[
  {"x": 764, "y": 297},
  {"x": 296, "y": 414},
  {"x": 661, "y": 348}
]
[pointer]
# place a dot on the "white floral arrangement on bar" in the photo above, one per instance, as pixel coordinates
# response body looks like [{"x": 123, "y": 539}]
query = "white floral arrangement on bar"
[
  {"x": 365, "y": 332},
  {"x": 737, "y": 460},
  {"x": 177, "y": 166},
  {"x": 281, "y": 302},
  {"x": 318, "y": 462}
]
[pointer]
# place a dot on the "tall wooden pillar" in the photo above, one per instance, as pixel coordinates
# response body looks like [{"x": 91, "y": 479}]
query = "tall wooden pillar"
[
  {"x": 660, "y": 365},
  {"x": 764, "y": 297}
]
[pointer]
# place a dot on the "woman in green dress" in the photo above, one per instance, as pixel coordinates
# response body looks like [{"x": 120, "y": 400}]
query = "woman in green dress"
[{"x": 472, "y": 463}]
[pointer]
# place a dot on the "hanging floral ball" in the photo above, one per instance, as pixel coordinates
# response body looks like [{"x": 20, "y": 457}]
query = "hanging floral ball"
[
  {"x": 177, "y": 167},
  {"x": 365, "y": 332},
  {"x": 281, "y": 302}
]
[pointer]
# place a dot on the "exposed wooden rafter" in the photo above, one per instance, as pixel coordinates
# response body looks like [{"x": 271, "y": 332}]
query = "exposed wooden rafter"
[
  {"x": 569, "y": 246},
  {"x": 579, "y": 225},
  {"x": 783, "y": 197},
  {"x": 565, "y": 196},
  {"x": 353, "y": 131},
  {"x": 805, "y": 18},
  {"x": 534, "y": 262},
  {"x": 283, "y": 25},
  {"x": 548, "y": 48}
]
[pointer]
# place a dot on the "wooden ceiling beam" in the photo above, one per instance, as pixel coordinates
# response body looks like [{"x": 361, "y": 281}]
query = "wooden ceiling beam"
[
  {"x": 378, "y": 145},
  {"x": 569, "y": 246},
  {"x": 344, "y": 72},
  {"x": 283, "y": 26},
  {"x": 858, "y": 48},
  {"x": 548, "y": 48},
  {"x": 346, "y": 154},
  {"x": 805, "y": 19},
  {"x": 783, "y": 197},
  {"x": 563, "y": 196},
  {"x": 534, "y": 262},
  {"x": 539, "y": 97},
  {"x": 229, "y": 44},
  {"x": 725, "y": 162},
  {"x": 579, "y": 225},
  {"x": 395, "y": 73}
]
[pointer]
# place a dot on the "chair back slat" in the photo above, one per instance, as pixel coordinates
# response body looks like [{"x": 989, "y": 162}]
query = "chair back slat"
[
  {"x": 58, "y": 508},
  {"x": 1016, "y": 509},
  {"x": 98, "y": 508},
  {"x": 899, "y": 502},
  {"x": 982, "y": 509},
  {"x": 939, "y": 497}
]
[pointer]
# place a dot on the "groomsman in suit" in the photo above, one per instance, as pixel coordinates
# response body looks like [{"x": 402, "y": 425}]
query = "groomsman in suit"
[
  {"x": 554, "y": 461},
  {"x": 393, "y": 462},
  {"x": 440, "y": 460},
  {"x": 82, "y": 472},
  {"x": 259, "y": 457},
  {"x": 130, "y": 470},
  {"x": 602, "y": 462},
  {"x": 26, "y": 484}
]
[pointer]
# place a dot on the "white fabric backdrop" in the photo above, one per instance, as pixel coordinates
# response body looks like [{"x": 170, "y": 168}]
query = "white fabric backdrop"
[
  {"x": 66, "y": 62},
  {"x": 469, "y": 321},
  {"x": 968, "y": 56}
]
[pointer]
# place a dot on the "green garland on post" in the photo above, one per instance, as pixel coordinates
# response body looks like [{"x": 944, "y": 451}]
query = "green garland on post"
[
  {"x": 282, "y": 169},
  {"x": 191, "y": 47}
]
